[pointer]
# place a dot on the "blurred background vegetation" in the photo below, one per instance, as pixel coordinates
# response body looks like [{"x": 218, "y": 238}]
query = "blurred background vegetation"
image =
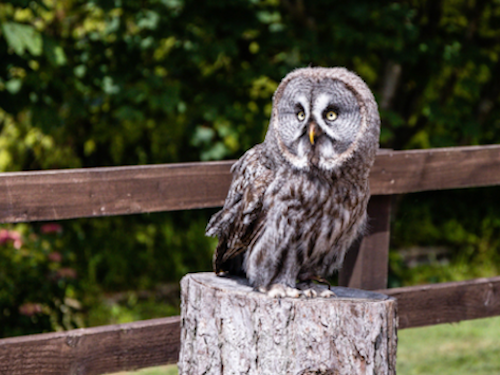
[{"x": 118, "y": 82}]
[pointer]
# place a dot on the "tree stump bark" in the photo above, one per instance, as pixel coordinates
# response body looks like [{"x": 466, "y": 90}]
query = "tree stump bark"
[{"x": 228, "y": 328}]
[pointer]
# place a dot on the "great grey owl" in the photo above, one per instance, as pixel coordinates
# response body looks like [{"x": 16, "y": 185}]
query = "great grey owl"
[{"x": 298, "y": 200}]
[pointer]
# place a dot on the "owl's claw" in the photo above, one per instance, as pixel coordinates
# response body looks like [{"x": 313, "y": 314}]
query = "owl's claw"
[
  {"x": 311, "y": 290},
  {"x": 309, "y": 293},
  {"x": 326, "y": 293},
  {"x": 280, "y": 291},
  {"x": 262, "y": 289}
]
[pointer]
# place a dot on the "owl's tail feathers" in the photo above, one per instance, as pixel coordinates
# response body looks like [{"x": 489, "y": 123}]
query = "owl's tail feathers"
[
  {"x": 225, "y": 258},
  {"x": 232, "y": 265}
]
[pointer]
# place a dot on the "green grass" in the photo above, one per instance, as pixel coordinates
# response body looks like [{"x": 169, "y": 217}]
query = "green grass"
[
  {"x": 160, "y": 370},
  {"x": 470, "y": 347}
]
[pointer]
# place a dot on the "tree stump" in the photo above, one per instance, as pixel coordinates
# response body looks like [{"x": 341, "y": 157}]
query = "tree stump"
[{"x": 228, "y": 328}]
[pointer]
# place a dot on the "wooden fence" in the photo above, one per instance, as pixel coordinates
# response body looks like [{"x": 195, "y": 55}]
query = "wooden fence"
[{"x": 74, "y": 193}]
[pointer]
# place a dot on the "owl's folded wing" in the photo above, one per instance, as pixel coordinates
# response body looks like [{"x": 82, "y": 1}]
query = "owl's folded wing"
[{"x": 240, "y": 222}]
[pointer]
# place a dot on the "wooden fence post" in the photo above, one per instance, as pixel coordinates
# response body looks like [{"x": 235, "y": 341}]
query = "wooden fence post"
[
  {"x": 228, "y": 328},
  {"x": 366, "y": 264}
]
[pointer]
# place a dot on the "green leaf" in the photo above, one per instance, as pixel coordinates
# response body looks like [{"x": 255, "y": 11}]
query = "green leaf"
[
  {"x": 14, "y": 85},
  {"x": 172, "y": 4},
  {"x": 80, "y": 70},
  {"x": 149, "y": 20},
  {"x": 217, "y": 152},
  {"x": 202, "y": 135},
  {"x": 22, "y": 38},
  {"x": 54, "y": 52},
  {"x": 109, "y": 87}
]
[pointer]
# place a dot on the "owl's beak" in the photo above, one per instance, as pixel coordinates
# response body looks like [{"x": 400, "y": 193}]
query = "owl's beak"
[{"x": 312, "y": 132}]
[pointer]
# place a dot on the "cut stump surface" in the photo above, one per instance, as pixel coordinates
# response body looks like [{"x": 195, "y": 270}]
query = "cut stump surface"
[{"x": 228, "y": 328}]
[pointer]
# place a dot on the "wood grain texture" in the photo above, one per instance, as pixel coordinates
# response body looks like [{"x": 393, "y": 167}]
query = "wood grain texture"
[
  {"x": 65, "y": 194},
  {"x": 446, "y": 302},
  {"x": 366, "y": 265},
  {"x": 72, "y": 193},
  {"x": 93, "y": 351},
  {"x": 228, "y": 328},
  {"x": 398, "y": 172}
]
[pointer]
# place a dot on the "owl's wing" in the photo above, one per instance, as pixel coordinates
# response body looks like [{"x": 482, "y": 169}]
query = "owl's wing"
[{"x": 241, "y": 220}]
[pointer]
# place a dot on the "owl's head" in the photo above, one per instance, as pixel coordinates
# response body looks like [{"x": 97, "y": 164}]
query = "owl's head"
[{"x": 323, "y": 117}]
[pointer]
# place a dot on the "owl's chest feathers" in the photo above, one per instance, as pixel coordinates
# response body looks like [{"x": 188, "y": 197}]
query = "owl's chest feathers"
[{"x": 317, "y": 218}]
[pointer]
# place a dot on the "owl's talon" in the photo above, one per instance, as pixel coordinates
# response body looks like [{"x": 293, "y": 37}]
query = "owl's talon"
[
  {"x": 293, "y": 292},
  {"x": 327, "y": 294},
  {"x": 309, "y": 293},
  {"x": 262, "y": 289},
  {"x": 282, "y": 291},
  {"x": 311, "y": 290}
]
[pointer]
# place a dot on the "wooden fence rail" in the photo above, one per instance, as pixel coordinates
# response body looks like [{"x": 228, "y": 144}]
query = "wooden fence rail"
[
  {"x": 65, "y": 194},
  {"x": 89, "y": 192},
  {"x": 97, "y": 350}
]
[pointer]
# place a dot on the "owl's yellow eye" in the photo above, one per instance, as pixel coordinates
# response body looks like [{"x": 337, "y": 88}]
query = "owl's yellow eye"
[
  {"x": 301, "y": 116},
  {"x": 331, "y": 115}
]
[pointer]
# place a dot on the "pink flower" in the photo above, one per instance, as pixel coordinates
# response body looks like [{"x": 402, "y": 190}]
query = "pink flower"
[
  {"x": 11, "y": 236},
  {"x": 30, "y": 309},
  {"x": 55, "y": 257},
  {"x": 51, "y": 228},
  {"x": 66, "y": 273}
]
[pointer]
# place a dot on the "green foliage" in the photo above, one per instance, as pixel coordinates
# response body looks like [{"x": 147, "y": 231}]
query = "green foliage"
[
  {"x": 113, "y": 82},
  {"x": 157, "y": 248},
  {"x": 131, "y": 310},
  {"x": 22, "y": 38},
  {"x": 54, "y": 279},
  {"x": 38, "y": 281},
  {"x": 464, "y": 221}
]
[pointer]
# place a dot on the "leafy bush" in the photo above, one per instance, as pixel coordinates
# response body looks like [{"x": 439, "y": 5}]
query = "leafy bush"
[
  {"x": 98, "y": 83},
  {"x": 38, "y": 281},
  {"x": 465, "y": 222}
]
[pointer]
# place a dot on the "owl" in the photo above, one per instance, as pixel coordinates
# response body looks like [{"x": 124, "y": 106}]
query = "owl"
[{"x": 298, "y": 200}]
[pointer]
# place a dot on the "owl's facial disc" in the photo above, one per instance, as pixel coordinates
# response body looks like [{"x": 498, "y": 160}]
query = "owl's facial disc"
[
  {"x": 318, "y": 121},
  {"x": 338, "y": 115},
  {"x": 294, "y": 113}
]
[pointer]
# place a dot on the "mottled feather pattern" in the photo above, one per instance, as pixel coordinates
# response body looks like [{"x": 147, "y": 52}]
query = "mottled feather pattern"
[
  {"x": 239, "y": 222},
  {"x": 306, "y": 235},
  {"x": 298, "y": 200}
]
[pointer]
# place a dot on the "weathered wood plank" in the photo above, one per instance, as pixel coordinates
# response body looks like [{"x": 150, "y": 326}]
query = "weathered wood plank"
[
  {"x": 65, "y": 194},
  {"x": 446, "y": 302},
  {"x": 398, "y": 172},
  {"x": 93, "y": 351},
  {"x": 72, "y": 193},
  {"x": 366, "y": 265}
]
